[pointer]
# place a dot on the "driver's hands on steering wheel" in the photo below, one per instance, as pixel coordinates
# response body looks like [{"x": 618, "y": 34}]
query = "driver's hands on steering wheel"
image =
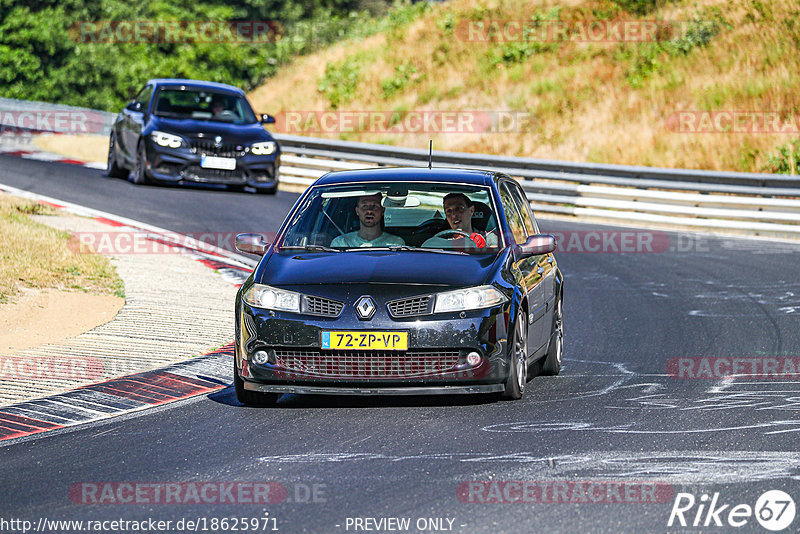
[{"x": 476, "y": 238}]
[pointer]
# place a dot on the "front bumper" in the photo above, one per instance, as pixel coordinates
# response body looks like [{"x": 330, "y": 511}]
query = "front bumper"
[
  {"x": 435, "y": 362},
  {"x": 182, "y": 165},
  {"x": 410, "y": 390}
]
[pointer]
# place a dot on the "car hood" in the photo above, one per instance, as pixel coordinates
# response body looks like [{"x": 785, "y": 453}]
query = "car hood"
[
  {"x": 380, "y": 267},
  {"x": 231, "y": 133}
]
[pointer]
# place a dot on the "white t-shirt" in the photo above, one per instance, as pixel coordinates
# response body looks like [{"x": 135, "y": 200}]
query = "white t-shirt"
[{"x": 353, "y": 240}]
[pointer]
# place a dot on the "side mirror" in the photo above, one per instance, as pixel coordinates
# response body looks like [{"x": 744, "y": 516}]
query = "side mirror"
[
  {"x": 538, "y": 244},
  {"x": 266, "y": 118},
  {"x": 251, "y": 244},
  {"x": 134, "y": 106}
]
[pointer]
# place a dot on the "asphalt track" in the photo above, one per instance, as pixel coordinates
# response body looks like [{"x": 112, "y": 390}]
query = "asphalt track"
[{"x": 614, "y": 415}]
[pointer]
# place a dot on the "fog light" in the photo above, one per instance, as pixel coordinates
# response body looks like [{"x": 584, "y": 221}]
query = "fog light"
[
  {"x": 260, "y": 357},
  {"x": 473, "y": 359}
]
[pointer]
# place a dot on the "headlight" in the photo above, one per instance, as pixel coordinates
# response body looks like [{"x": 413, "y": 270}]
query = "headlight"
[
  {"x": 272, "y": 298},
  {"x": 263, "y": 149},
  {"x": 165, "y": 139},
  {"x": 473, "y": 298}
]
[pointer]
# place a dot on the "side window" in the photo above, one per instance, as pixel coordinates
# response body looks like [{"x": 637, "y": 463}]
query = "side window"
[
  {"x": 524, "y": 208},
  {"x": 144, "y": 96},
  {"x": 513, "y": 216}
]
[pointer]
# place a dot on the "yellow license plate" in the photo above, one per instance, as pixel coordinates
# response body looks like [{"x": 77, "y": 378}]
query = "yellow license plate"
[{"x": 365, "y": 340}]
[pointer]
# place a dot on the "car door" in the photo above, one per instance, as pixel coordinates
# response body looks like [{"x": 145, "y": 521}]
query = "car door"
[
  {"x": 524, "y": 269},
  {"x": 133, "y": 122},
  {"x": 545, "y": 267}
]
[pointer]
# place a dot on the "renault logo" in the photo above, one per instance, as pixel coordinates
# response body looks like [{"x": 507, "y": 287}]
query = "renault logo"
[{"x": 365, "y": 308}]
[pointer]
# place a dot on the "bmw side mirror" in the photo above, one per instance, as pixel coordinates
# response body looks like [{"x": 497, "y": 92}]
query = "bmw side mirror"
[
  {"x": 538, "y": 244},
  {"x": 251, "y": 244},
  {"x": 266, "y": 118},
  {"x": 134, "y": 106}
]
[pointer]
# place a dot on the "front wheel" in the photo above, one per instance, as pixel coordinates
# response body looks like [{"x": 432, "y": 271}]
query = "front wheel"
[
  {"x": 140, "y": 171},
  {"x": 267, "y": 190},
  {"x": 555, "y": 352},
  {"x": 251, "y": 398},
  {"x": 518, "y": 374},
  {"x": 114, "y": 169}
]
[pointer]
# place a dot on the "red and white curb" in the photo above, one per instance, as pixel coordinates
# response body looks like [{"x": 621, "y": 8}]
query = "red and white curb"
[
  {"x": 30, "y": 152},
  {"x": 195, "y": 376}
]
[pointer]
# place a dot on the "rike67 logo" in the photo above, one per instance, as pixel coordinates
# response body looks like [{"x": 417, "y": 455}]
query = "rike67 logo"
[{"x": 774, "y": 510}]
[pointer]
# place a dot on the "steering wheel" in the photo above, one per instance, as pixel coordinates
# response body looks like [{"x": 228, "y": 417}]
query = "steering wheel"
[{"x": 450, "y": 234}]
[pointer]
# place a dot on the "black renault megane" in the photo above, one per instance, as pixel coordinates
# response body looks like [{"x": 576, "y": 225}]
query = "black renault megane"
[
  {"x": 179, "y": 131},
  {"x": 400, "y": 281}
]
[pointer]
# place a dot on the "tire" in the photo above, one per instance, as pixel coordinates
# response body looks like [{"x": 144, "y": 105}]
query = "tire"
[
  {"x": 555, "y": 352},
  {"x": 113, "y": 169},
  {"x": 517, "y": 357},
  {"x": 267, "y": 190},
  {"x": 140, "y": 171},
  {"x": 251, "y": 398}
]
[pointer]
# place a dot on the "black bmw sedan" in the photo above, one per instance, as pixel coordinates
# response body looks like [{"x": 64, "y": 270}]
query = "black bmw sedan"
[
  {"x": 400, "y": 281},
  {"x": 178, "y": 131}
]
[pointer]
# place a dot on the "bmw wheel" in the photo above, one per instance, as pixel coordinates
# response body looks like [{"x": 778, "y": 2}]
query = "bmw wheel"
[
  {"x": 140, "y": 171},
  {"x": 518, "y": 374},
  {"x": 113, "y": 169}
]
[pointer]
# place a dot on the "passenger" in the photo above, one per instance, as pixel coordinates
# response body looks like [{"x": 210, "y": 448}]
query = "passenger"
[
  {"x": 458, "y": 210},
  {"x": 370, "y": 234}
]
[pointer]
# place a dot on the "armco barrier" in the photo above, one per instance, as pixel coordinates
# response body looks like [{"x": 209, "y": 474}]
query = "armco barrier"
[{"x": 764, "y": 204}]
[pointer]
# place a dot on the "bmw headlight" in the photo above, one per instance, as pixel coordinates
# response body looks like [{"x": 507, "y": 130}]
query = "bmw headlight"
[
  {"x": 272, "y": 298},
  {"x": 472, "y": 298},
  {"x": 263, "y": 149},
  {"x": 165, "y": 139}
]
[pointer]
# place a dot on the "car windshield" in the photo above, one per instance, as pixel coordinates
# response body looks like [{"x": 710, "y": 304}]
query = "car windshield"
[
  {"x": 203, "y": 105},
  {"x": 342, "y": 218}
]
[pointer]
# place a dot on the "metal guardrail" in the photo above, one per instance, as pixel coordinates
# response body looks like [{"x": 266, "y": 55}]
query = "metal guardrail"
[{"x": 765, "y": 204}]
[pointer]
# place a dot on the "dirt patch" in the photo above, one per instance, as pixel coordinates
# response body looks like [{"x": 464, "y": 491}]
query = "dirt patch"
[
  {"x": 39, "y": 316},
  {"x": 90, "y": 148}
]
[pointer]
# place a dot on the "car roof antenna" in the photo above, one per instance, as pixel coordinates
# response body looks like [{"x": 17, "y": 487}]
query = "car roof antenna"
[{"x": 430, "y": 154}]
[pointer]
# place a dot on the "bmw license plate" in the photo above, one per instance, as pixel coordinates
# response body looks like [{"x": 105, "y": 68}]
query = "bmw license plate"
[
  {"x": 365, "y": 340},
  {"x": 214, "y": 162}
]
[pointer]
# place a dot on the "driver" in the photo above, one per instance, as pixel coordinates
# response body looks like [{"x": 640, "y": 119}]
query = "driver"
[
  {"x": 458, "y": 210},
  {"x": 370, "y": 234},
  {"x": 217, "y": 106}
]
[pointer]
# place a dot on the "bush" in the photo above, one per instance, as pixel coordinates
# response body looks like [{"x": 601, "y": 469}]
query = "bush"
[{"x": 786, "y": 160}]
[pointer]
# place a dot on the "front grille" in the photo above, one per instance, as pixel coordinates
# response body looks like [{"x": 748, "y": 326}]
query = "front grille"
[
  {"x": 367, "y": 364},
  {"x": 410, "y": 306},
  {"x": 197, "y": 173},
  {"x": 209, "y": 148},
  {"x": 322, "y": 306}
]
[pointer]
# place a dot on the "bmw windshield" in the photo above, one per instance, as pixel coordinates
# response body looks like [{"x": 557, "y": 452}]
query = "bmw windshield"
[
  {"x": 203, "y": 105},
  {"x": 441, "y": 217}
]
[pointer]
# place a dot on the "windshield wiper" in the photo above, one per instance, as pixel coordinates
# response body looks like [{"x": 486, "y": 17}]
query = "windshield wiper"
[
  {"x": 409, "y": 248},
  {"x": 313, "y": 248}
]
